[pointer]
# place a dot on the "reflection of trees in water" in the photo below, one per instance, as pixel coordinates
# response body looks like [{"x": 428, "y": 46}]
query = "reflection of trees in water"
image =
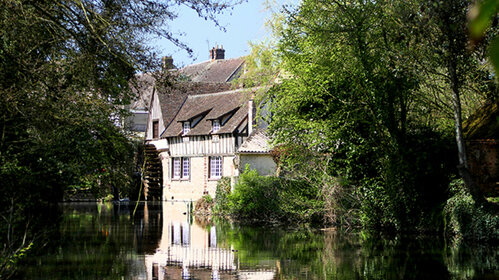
[
  {"x": 315, "y": 254},
  {"x": 473, "y": 261},
  {"x": 348, "y": 256},
  {"x": 96, "y": 241},
  {"x": 102, "y": 240},
  {"x": 148, "y": 222},
  {"x": 403, "y": 258}
]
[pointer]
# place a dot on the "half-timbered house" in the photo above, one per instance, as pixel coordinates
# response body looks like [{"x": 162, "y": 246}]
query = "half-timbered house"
[{"x": 203, "y": 139}]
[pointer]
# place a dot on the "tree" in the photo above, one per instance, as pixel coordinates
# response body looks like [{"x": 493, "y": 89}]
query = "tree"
[
  {"x": 448, "y": 51},
  {"x": 347, "y": 94},
  {"x": 361, "y": 89}
]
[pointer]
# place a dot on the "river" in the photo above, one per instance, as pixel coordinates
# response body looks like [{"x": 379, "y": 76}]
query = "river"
[{"x": 163, "y": 241}]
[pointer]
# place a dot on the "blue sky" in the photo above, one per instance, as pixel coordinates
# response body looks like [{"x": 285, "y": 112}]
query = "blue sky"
[{"x": 246, "y": 22}]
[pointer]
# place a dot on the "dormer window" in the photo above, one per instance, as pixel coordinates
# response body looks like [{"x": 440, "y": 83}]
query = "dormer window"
[
  {"x": 215, "y": 125},
  {"x": 187, "y": 127}
]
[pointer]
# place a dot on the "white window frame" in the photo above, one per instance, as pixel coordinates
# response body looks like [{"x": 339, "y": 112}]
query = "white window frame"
[
  {"x": 216, "y": 167},
  {"x": 186, "y": 168},
  {"x": 181, "y": 168},
  {"x": 186, "y": 127},
  {"x": 215, "y": 125},
  {"x": 177, "y": 168}
]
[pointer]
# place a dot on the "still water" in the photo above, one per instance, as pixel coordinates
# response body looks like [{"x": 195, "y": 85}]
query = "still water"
[{"x": 163, "y": 241}]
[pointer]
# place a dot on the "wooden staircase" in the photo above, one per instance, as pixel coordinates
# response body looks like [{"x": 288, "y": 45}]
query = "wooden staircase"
[{"x": 153, "y": 174}]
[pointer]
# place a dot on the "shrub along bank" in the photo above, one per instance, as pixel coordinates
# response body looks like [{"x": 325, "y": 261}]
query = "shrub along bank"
[
  {"x": 466, "y": 219},
  {"x": 275, "y": 200},
  {"x": 272, "y": 200}
]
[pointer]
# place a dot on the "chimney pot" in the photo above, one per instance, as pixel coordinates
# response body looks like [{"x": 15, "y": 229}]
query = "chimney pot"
[{"x": 217, "y": 53}]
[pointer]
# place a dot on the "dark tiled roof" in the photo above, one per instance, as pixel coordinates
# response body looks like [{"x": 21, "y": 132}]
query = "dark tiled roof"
[
  {"x": 257, "y": 143},
  {"x": 171, "y": 98},
  {"x": 215, "y": 105},
  {"x": 207, "y": 77},
  {"x": 142, "y": 88},
  {"x": 213, "y": 71}
]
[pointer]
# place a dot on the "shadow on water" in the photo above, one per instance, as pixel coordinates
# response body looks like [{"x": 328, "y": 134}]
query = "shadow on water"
[{"x": 163, "y": 241}]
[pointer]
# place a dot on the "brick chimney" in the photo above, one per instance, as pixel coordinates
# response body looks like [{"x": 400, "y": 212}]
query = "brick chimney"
[
  {"x": 217, "y": 53},
  {"x": 167, "y": 63}
]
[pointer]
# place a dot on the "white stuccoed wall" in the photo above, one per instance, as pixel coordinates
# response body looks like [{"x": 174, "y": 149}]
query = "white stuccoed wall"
[
  {"x": 263, "y": 163},
  {"x": 155, "y": 114},
  {"x": 199, "y": 181}
]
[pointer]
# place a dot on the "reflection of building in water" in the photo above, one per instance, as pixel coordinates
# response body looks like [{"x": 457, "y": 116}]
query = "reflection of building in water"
[{"x": 189, "y": 250}]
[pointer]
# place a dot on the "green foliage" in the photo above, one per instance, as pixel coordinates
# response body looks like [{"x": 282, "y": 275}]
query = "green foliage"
[
  {"x": 9, "y": 259},
  {"x": 264, "y": 199},
  {"x": 494, "y": 53},
  {"x": 369, "y": 95},
  {"x": 221, "y": 196},
  {"x": 208, "y": 199},
  {"x": 255, "y": 196},
  {"x": 261, "y": 65},
  {"x": 355, "y": 113},
  {"x": 465, "y": 219},
  {"x": 204, "y": 205},
  {"x": 481, "y": 17}
]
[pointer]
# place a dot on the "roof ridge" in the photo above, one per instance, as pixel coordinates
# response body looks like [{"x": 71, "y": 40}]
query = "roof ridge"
[
  {"x": 247, "y": 90},
  {"x": 209, "y": 61},
  {"x": 194, "y": 64},
  {"x": 217, "y": 93}
]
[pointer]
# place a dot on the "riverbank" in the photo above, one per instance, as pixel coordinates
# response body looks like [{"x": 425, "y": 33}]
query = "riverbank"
[{"x": 273, "y": 201}]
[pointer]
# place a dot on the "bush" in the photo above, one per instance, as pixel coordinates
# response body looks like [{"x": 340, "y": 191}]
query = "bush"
[
  {"x": 204, "y": 205},
  {"x": 408, "y": 191},
  {"x": 266, "y": 199},
  {"x": 465, "y": 219},
  {"x": 221, "y": 194},
  {"x": 255, "y": 196}
]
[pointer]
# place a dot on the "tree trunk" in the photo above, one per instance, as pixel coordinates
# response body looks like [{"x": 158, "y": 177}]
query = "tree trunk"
[{"x": 463, "y": 167}]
